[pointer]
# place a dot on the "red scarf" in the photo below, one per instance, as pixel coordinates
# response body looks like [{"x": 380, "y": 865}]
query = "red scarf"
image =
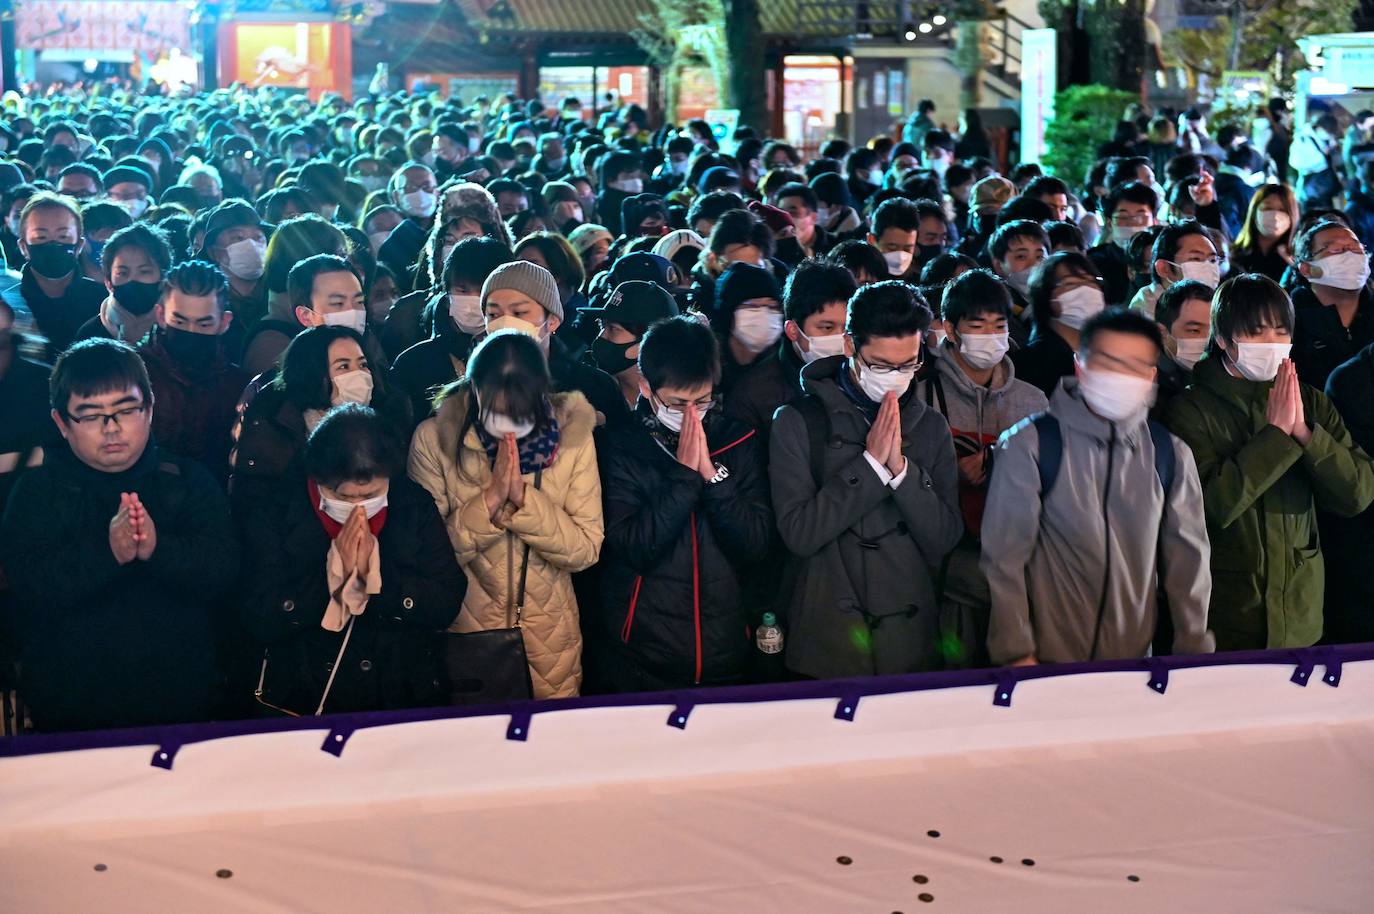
[{"x": 333, "y": 527}]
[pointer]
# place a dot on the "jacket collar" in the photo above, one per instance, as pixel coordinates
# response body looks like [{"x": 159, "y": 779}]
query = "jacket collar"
[
  {"x": 1210, "y": 372},
  {"x": 948, "y": 367},
  {"x": 576, "y": 420},
  {"x": 124, "y": 325},
  {"x": 821, "y": 380}
]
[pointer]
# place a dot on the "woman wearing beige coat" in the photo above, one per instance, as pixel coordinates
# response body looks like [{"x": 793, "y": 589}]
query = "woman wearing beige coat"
[{"x": 511, "y": 432}]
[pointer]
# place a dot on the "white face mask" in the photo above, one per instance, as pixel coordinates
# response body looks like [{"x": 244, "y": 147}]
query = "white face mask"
[
  {"x": 984, "y": 350},
  {"x": 680, "y": 167},
  {"x": 757, "y": 328},
  {"x": 466, "y": 311},
  {"x": 419, "y": 204},
  {"x": 376, "y": 240},
  {"x": 246, "y": 258},
  {"x": 671, "y": 419},
  {"x": 898, "y": 262},
  {"x": 822, "y": 347},
  {"x": 1122, "y": 234},
  {"x": 339, "y": 510},
  {"x": 354, "y": 320},
  {"x": 876, "y": 386},
  {"x": 135, "y": 207},
  {"x": 1020, "y": 280},
  {"x": 1348, "y": 271},
  {"x": 515, "y": 323},
  {"x": 352, "y": 387},
  {"x": 499, "y": 425},
  {"x": 629, "y": 185},
  {"x": 372, "y": 183},
  {"x": 875, "y": 176},
  {"x": 1076, "y": 306},
  {"x": 1273, "y": 222},
  {"x": 1260, "y": 361},
  {"x": 1189, "y": 351},
  {"x": 1204, "y": 271},
  {"x": 474, "y": 144},
  {"x": 1112, "y": 395}
]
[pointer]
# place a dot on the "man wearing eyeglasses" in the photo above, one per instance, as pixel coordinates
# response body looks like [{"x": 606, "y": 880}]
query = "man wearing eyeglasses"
[
  {"x": 1334, "y": 306},
  {"x": 865, "y": 490},
  {"x": 117, "y": 554}
]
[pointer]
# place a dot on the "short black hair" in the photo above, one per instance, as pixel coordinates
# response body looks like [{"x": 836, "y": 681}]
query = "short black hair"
[
  {"x": 925, "y": 105},
  {"x": 813, "y": 285},
  {"x": 1009, "y": 232},
  {"x": 1171, "y": 236},
  {"x": 352, "y": 443},
  {"x": 300, "y": 282},
  {"x": 855, "y": 255},
  {"x": 796, "y": 189},
  {"x": 899, "y": 213},
  {"x": 1125, "y": 170},
  {"x": 1066, "y": 234},
  {"x": 1170, "y": 304},
  {"x": 1045, "y": 185},
  {"x": 1026, "y": 171},
  {"x": 977, "y": 293},
  {"x": 198, "y": 278},
  {"x": 474, "y": 259},
  {"x": 890, "y": 308},
  {"x": 713, "y": 205},
  {"x": 1306, "y": 242},
  {"x": 1134, "y": 192},
  {"x": 939, "y": 138},
  {"x": 1119, "y": 320},
  {"x": 1042, "y": 283},
  {"x": 1023, "y": 207},
  {"x": 93, "y": 367},
  {"x": 679, "y": 352},
  {"x": 1247, "y": 304},
  {"x": 739, "y": 226},
  {"x": 957, "y": 174},
  {"x": 942, "y": 267},
  {"x": 152, "y": 241}
]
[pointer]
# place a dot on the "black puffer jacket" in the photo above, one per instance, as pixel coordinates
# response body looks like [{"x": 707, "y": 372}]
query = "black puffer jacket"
[
  {"x": 675, "y": 551},
  {"x": 109, "y": 645},
  {"x": 390, "y": 661}
]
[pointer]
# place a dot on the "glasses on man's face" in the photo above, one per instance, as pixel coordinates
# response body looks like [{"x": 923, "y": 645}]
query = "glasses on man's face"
[
  {"x": 118, "y": 417},
  {"x": 703, "y": 406},
  {"x": 908, "y": 368},
  {"x": 1128, "y": 220}
]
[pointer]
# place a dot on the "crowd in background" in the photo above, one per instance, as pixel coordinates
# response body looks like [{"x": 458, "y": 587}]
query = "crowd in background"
[{"x": 312, "y": 407}]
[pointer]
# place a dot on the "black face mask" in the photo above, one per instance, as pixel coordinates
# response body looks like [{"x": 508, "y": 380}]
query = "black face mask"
[
  {"x": 191, "y": 350},
  {"x": 925, "y": 253},
  {"x": 610, "y": 357},
  {"x": 52, "y": 259},
  {"x": 137, "y": 297}
]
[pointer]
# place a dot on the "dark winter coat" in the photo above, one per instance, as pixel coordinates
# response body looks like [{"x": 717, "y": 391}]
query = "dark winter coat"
[
  {"x": 675, "y": 553},
  {"x": 392, "y": 653},
  {"x": 60, "y": 319},
  {"x": 1320, "y": 342},
  {"x": 1345, "y": 540},
  {"x": 775, "y": 382},
  {"x": 109, "y": 645}
]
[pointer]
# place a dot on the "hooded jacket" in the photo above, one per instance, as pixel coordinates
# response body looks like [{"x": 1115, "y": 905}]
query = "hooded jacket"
[
  {"x": 977, "y": 416},
  {"x": 1262, "y": 490},
  {"x": 677, "y": 550},
  {"x": 859, "y": 594},
  {"x": 1074, "y": 573},
  {"x": 561, "y": 522}
]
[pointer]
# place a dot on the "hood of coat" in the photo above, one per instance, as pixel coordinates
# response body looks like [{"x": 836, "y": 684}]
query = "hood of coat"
[
  {"x": 948, "y": 367},
  {"x": 1210, "y": 372},
  {"x": 576, "y": 420}
]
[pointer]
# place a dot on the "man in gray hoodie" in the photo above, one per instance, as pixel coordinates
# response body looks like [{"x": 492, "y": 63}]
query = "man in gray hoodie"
[
  {"x": 1094, "y": 513},
  {"x": 864, "y": 487},
  {"x": 974, "y": 387}
]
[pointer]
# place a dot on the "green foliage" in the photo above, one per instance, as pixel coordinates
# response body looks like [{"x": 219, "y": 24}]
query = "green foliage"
[{"x": 1084, "y": 116}]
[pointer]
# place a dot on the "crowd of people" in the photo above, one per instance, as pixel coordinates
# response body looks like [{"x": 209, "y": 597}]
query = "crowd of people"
[{"x": 312, "y": 407}]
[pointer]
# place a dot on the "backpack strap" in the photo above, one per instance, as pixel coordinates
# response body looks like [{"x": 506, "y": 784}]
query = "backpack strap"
[
  {"x": 817, "y": 420},
  {"x": 1051, "y": 450},
  {"x": 935, "y": 389},
  {"x": 1166, "y": 461}
]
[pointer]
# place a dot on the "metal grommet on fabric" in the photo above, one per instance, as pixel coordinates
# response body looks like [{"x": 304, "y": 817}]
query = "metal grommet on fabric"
[
  {"x": 1159, "y": 675},
  {"x": 1332, "y": 676},
  {"x": 365, "y": 666},
  {"x": 288, "y": 605},
  {"x": 165, "y": 755},
  {"x": 1006, "y": 684},
  {"x": 336, "y": 740},
  {"x": 519, "y": 728},
  {"x": 252, "y": 462},
  {"x": 408, "y": 603},
  {"x": 847, "y": 706},
  {"x": 680, "y": 714},
  {"x": 1302, "y": 673}
]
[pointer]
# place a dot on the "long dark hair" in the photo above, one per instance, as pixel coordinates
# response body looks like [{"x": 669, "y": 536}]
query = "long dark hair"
[
  {"x": 507, "y": 370},
  {"x": 304, "y": 377}
]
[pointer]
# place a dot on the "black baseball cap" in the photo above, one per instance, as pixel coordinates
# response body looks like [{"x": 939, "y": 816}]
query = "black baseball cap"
[
  {"x": 230, "y": 214},
  {"x": 636, "y": 302}
]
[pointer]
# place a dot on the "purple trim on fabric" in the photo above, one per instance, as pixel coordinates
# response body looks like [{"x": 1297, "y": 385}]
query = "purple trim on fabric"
[
  {"x": 848, "y": 705},
  {"x": 337, "y": 739},
  {"x": 1333, "y": 670},
  {"x": 1302, "y": 674},
  {"x": 184, "y": 734},
  {"x": 519, "y": 727},
  {"x": 1005, "y": 685}
]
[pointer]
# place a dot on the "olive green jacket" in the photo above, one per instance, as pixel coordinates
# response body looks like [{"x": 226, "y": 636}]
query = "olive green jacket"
[{"x": 1261, "y": 490}]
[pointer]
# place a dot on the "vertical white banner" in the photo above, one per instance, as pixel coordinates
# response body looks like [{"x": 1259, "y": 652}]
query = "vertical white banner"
[{"x": 1039, "y": 67}]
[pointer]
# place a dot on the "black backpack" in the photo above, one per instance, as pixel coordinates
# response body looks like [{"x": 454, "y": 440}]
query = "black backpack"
[{"x": 1052, "y": 451}]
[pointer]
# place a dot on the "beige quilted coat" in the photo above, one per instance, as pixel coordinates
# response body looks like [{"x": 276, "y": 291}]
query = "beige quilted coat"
[{"x": 561, "y": 522}]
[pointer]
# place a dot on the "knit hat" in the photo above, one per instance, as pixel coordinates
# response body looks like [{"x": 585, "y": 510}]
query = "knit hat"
[
  {"x": 529, "y": 279},
  {"x": 586, "y": 235},
  {"x": 634, "y": 210},
  {"x": 744, "y": 281},
  {"x": 776, "y": 219},
  {"x": 992, "y": 192}
]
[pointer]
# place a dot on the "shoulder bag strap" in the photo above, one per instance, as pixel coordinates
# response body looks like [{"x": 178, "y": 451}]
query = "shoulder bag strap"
[{"x": 525, "y": 562}]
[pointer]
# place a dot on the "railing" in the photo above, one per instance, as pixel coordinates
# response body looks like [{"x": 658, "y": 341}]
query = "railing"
[{"x": 1004, "y": 50}]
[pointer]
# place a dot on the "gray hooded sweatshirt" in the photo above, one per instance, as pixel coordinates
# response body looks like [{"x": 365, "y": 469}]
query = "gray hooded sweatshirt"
[{"x": 1098, "y": 547}]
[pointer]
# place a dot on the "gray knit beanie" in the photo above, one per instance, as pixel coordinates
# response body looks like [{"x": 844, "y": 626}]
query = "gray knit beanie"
[{"x": 529, "y": 279}]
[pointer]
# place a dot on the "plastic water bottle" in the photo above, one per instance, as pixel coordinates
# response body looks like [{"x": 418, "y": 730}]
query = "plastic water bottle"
[{"x": 769, "y": 635}]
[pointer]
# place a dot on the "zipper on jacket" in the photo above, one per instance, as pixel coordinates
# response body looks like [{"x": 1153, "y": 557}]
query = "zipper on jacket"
[
  {"x": 696, "y": 595},
  {"x": 1106, "y": 541},
  {"x": 630, "y": 614}
]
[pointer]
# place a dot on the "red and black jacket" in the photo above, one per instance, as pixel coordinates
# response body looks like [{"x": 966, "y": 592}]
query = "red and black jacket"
[{"x": 675, "y": 553}]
